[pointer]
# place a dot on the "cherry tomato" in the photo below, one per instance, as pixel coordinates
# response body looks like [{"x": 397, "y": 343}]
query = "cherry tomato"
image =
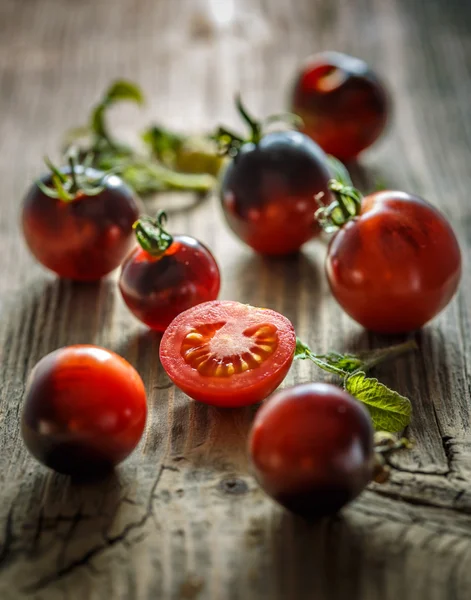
[
  {"x": 82, "y": 235},
  {"x": 85, "y": 410},
  {"x": 269, "y": 188},
  {"x": 396, "y": 265},
  {"x": 342, "y": 103},
  {"x": 166, "y": 275},
  {"x": 227, "y": 353},
  {"x": 312, "y": 448}
]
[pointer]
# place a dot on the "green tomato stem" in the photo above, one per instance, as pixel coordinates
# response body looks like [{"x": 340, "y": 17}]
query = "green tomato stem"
[
  {"x": 390, "y": 353},
  {"x": 386, "y": 444}
]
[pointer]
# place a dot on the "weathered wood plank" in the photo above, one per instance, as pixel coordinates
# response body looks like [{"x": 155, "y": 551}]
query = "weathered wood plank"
[{"x": 183, "y": 518}]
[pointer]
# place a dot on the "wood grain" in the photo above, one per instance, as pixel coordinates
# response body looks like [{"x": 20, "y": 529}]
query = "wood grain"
[{"x": 183, "y": 518}]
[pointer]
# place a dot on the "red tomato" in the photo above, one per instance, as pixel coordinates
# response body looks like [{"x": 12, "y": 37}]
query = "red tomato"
[
  {"x": 312, "y": 448},
  {"x": 227, "y": 353},
  {"x": 85, "y": 410},
  {"x": 158, "y": 288},
  {"x": 342, "y": 103},
  {"x": 84, "y": 238},
  {"x": 396, "y": 265}
]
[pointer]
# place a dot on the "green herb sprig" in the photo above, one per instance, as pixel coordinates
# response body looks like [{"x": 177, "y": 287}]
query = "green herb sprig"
[
  {"x": 167, "y": 161},
  {"x": 389, "y": 411}
]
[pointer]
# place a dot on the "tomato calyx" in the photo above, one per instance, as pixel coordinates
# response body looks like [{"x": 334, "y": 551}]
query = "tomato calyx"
[
  {"x": 385, "y": 445},
  {"x": 73, "y": 183},
  {"x": 151, "y": 234},
  {"x": 230, "y": 143},
  {"x": 347, "y": 199}
]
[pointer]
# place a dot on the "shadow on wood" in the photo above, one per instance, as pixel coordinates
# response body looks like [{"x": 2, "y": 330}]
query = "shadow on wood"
[{"x": 280, "y": 283}]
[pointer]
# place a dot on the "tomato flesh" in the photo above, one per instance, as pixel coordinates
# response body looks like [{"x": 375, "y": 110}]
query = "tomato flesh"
[
  {"x": 343, "y": 105},
  {"x": 228, "y": 354},
  {"x": 85, "y": 410},
  {"x": 312, "y": 448},
  {"x": 157, "y": 289},
  {"x": 395, "y": 266}
]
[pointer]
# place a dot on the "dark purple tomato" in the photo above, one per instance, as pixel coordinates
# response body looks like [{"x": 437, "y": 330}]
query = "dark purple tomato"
[
  {"x": 342, "y": 103},
  {"x": 84, "y": 410},
  {"x": 269, "y": 189},
  {"x": 84, "y": 238},
  {"x": 312, "y": 448},
  {"x": 396, "y": 265},
  {"x": 158, "y": 285}
]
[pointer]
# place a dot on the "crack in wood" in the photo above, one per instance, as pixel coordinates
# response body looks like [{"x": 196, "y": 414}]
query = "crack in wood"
[
  {"x": 87, "y": 557},
  {"x": 8, "y": 537}
]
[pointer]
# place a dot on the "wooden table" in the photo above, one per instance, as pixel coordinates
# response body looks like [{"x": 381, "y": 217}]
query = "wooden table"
[{"x": 183, "y": 518}]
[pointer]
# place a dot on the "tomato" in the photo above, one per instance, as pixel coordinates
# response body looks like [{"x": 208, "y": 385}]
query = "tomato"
[
  {"x": 343, "y": 105},
  {"x": 312, "y": 448},
  {"x": 166, "y": 275},
  {"x": 228, "y": 354},
  {"x": 396, "y": 265},
  {"x": 81, "y": 236},
  {"x": 268, "y": 192},
  {"x": 84, "y": 410},
  {"x": 270, "y": 187}
]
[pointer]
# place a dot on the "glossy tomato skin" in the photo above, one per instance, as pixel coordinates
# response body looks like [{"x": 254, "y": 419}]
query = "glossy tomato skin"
[
  {"x": 84, "y": 239},
  {"x": 157, "y": 289},
  {"x": 268, "y": 192},
  {"x": 84, "y": 410},
  {"x": 343, "y": 105},
  {"x": 397, "y": 265},
  {"x": 228, "y": 354},
  {"x": 312, "y": 448}
]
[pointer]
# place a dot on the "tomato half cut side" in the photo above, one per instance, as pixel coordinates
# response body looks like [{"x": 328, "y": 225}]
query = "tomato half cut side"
[{"x": 228, "y": 354}]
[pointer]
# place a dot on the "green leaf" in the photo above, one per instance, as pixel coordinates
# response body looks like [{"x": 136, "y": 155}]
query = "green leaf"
[
  {"x": 147, "y": 177},
  {"x": 163, "y": 143},
  {"x": 343, "y": 364},
  {"x": 389, "y": 410},
  {"x": 348, "y": 363},
  {"x": 303, "y": 352},
  {"x": 124, "y": 90},
  {"x": 119, "y": 91},
  {"x": 97, "y": 123}
]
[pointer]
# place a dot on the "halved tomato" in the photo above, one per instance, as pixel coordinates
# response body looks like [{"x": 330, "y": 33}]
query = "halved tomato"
[{"x": 228, "y": 354}]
